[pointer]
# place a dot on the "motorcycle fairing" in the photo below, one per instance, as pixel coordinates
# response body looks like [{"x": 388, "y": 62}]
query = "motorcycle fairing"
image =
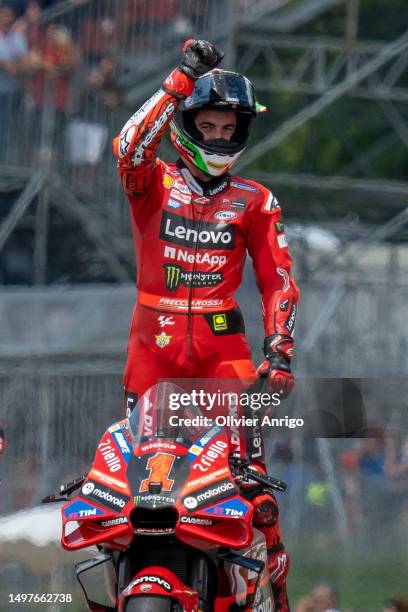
[{"x": 160, "y": 581}]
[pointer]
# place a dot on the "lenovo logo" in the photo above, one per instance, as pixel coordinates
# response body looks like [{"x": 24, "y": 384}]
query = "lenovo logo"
[{"x": 186, "y": 232}]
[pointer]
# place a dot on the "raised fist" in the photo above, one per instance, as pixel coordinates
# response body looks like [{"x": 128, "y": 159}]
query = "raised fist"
[{"x": 199, "y": 57}]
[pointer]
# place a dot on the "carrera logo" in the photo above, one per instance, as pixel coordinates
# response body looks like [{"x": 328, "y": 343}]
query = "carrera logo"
[
  {"x": 121, "y": 520},
  {"x": 192, "y": 520},
  {"x": 186, "y": 232},
  {"x": 152, "y": 580},
  {"x": 176, "y": 276}
]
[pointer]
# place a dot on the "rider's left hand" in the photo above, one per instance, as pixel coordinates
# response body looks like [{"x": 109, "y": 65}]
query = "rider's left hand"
[
  {"x": 279, "y": 380},
  {"x": 278, "y": 349}
]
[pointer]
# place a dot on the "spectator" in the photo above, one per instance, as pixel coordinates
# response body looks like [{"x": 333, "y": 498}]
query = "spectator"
[
  {"x": 147, "y": 17},
  {"x": 87, "y": 138},
  {"x": 52, "y": 81},
  {"x": 104, "y": 83},
  {"x": 29, "y": 25},
  {"x": 60, "y": 57},
  {"x": 323, "y": 598},
  {"x": 396, "y": 605},
  {"x": 13, "y": 54},
  {"x": 396, "y": 468},
  {"x": 96, "y": 36}
]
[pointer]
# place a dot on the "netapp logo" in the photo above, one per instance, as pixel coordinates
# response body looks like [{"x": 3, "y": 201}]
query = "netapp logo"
[
  {"x": 104, "y": 496},
  {"x": 185, "y": 232}
]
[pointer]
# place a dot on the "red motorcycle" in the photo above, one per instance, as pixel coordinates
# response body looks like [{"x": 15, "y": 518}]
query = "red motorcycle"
[{"x": 165, "y": 504}]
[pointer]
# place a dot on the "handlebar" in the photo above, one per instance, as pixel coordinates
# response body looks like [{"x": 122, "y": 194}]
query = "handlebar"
[
  {"x": 65, "y": 489},
  {"x": 241, "y": 469}
]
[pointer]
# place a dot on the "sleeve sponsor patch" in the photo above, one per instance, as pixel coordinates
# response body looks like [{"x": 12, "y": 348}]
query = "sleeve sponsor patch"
[
  {"x": 282, "y": 241},
  {"x": 270, "y": 204}
]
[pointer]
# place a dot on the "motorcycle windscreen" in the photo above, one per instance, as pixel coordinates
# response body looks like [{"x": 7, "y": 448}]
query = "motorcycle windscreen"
[
  {"x": 165, "y": 427},
  {"x": 166, "y": 412}
]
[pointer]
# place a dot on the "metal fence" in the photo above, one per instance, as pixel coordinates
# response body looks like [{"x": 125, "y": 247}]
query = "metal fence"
[{"x": 87, "y": 67}]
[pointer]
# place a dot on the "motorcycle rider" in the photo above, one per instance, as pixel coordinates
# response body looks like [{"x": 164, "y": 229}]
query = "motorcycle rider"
[{"x": 192, "y": 223}]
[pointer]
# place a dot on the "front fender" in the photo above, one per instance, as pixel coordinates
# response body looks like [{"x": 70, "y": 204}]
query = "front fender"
[{"x": 156, "y": 580}]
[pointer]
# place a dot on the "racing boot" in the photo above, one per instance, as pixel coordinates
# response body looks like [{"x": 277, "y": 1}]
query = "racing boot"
[{"x": 266, "y": 518}]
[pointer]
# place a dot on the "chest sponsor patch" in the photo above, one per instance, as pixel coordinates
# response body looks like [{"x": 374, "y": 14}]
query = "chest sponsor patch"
[
  {"x": 176, "y": 276},
  {"x": 225, "y": 215},
  {"x": 174, "y": 203},
  {"x": 186, "y": 232},
  {"x": 175, "y": 194},
  {"x": 244, "y": 186}
]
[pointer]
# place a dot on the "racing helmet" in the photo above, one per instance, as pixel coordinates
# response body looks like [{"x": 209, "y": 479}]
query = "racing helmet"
[{"x": 217, "y": 90}]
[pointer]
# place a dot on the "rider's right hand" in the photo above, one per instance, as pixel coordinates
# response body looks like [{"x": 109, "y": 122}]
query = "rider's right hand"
[{"x": 199, "y": 57}]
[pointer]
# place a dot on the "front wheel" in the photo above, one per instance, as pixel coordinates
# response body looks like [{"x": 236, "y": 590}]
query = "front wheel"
[{"x": 151, "y": 604}]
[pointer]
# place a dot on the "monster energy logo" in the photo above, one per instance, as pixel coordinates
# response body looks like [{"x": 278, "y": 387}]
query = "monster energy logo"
[{"x": 176, "y": 276}]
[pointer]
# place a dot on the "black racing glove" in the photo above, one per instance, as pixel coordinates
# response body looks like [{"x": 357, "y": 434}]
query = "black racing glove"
[{"x": 199, "y": 57}]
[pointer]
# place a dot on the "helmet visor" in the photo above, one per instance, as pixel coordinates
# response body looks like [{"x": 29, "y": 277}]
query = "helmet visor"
[{"x": 222, "y": 90}]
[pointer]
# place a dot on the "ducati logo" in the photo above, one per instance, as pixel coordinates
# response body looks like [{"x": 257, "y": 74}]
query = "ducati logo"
[{"x": 163, "y": 339}]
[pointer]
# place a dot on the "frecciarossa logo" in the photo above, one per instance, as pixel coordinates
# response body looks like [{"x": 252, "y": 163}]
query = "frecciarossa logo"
[{"x": 186, "y": 232}]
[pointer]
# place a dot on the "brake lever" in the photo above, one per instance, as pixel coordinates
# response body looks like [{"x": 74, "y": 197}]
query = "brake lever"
[
  {"x": 269, "y": 481},
  {"x": 241, "y": 466},
  {"x": 65, "y": 489}
]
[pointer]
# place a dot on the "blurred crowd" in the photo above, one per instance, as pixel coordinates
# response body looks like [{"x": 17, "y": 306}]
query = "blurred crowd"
[
  {"x": 324, "y": 598},
  {"x": 371, "y": 474},
  {"x": 65, "y": 71}
]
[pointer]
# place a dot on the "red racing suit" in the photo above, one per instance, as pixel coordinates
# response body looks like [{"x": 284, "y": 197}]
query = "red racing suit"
[{"x": 190, "y": 241}]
